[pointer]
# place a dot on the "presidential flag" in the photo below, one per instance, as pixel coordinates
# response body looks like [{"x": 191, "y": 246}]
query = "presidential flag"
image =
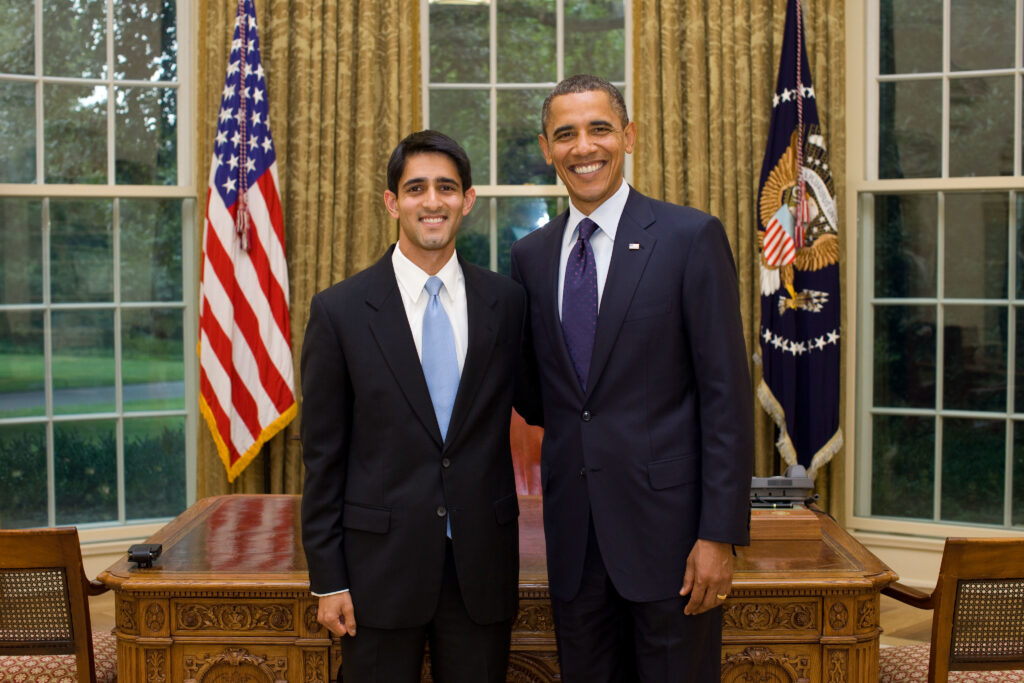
[
  {"x": 798, "y": 244},
  {"x": 246, "y": 376}
]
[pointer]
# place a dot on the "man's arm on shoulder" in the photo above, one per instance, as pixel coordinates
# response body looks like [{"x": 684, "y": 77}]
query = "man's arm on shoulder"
[{"x": 326, "y": 423}]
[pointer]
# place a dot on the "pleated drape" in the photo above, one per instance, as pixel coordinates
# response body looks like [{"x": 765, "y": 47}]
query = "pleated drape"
[
  {"x": 704, "y": 73},
  {"x": 343, "y": 80}
]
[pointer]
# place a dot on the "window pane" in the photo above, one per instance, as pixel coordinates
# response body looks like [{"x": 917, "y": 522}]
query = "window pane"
[
  {"x": 459, "y": 43},
  {"x": 526, "y": 41},
  {"x": 975, "y": 339},
  {"x": 911, "y": 36},
  {"x": 85, "y": 471},
  {"x": 465, "y": 116},
  {"x": 1018, "y": 400},
  {"x": 81, "y": 250},
  {"x": 520, "y": 161},
  {"x": 904, "y": 356},
  {"x": 75, "y": 133},
  {"x": 152, "y": 366},
  {"x": 517, "y": 217},
  {"x": 906, "y": 238},
  {"x": 23, "y": 476},
  {"x": 17, "y": 132},
  {"x": 981, "y": 34},
  {"x": 146, "y": 141},
  {"x": 973, "y": 457},
  {"x": 595, "y": 38},
  {"x": 154, "y": 467},
  {"x": 976, "y": 239},
  {"x": 150, "y": 249},
  {"x": 910, "y": 129},
  {"x": 145, "y": 40},
  {"x": 17, "y": 37},
  {"x": 21, "y": 366},
  {"x": 74, "y": 38},
  {"x": 902, "y": 466},
  {"x": 981, "y": 126},
  {"x": 474, "y": 238},
  {"x": 83, "y": 362},
  {"x": 21, "y": 251},
  {"x": 1018, "y": 474},
  {"x": 1020, "y": 245}
]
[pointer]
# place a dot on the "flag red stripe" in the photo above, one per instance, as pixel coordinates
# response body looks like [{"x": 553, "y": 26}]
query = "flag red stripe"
[
  {"x": 219, "y": 416},
  {"x": 222, "y": 348}
]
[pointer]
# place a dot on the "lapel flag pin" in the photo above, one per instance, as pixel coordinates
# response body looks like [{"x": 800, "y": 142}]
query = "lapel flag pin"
[{"x": 634, "y": 246}]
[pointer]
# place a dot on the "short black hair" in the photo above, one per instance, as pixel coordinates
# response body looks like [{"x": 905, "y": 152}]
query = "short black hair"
[
  {"x": 423, "y": 142},
  {"x": 584, "y": 83}
]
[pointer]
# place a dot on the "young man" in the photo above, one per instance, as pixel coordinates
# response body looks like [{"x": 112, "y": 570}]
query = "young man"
[
  {"x": 647, "y": 407},
  {"x": 409, "y": 510}
]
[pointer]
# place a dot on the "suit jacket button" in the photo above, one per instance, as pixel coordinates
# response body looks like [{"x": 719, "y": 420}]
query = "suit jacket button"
[
  {"x": 445, "y": 462},
  {"x": 583, "y": 471},
  {"x": 441, "y": 511},
  {"x": 586, "y": 416}
]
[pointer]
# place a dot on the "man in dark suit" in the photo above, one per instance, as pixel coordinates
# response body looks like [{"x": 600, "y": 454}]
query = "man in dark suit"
[
  {"x": 647, "y": 407},
  {"x": 409, "y": 511}
]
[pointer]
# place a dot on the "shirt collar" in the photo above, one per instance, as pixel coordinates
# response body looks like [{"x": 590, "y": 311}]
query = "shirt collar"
[
  {"x": 606, "y": 216},
  {"x": 412, "y": 279}
]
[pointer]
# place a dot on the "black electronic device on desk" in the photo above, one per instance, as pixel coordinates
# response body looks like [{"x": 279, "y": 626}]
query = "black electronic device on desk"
[
  {"x": 792, "y": 488},
  {"x": 143, "y": 554}
]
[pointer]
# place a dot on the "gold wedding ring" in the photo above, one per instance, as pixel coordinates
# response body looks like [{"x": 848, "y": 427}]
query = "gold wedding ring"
[{"x": 722, "y": 597}]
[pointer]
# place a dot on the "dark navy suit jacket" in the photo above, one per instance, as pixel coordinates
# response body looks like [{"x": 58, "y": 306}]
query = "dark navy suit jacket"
[
  {"x": 659, "y": 449},
  {"x": 380, "y": 483}
]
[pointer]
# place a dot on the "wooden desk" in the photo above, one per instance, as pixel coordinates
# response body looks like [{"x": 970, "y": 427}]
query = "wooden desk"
[{"x": 229, "y": 601}]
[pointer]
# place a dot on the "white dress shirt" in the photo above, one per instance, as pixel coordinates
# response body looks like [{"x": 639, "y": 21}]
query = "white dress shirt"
[
  {"x": 607, "y": 218},
  {"x": 411, "y": 281}
]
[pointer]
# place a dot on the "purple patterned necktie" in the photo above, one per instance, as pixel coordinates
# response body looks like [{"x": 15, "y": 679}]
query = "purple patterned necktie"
[{"x": 579, "y": 301}]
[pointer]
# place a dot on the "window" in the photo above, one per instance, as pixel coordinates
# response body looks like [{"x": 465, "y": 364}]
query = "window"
[
  {"x": 96, "y": 221},
  {"x": 488, "y": 68},
  {"x": 940, "y": 408}
]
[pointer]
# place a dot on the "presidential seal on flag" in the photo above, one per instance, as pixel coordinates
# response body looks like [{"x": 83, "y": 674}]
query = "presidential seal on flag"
[{"x": 798, "y": 252}]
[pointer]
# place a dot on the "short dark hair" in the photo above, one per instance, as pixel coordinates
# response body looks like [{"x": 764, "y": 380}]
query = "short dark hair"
[
  {"x": 584, "y": 83},
  {"x": 423, "y": 142}
]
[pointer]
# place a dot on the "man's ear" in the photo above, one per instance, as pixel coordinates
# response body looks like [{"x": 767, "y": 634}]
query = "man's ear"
[
  {"x": 470, "y": 200},
  {"x": 630, "y": 134},
  {"x": 391, "y": 202},
  {"x": 543, "y": 139}
]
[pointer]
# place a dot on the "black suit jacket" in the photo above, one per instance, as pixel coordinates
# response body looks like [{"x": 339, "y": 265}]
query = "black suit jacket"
[
  {"x": 380, "y": 484},
  {"x": 659, "y": 449}
]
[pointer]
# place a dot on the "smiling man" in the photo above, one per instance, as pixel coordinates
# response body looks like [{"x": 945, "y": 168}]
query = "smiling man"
[
  {"x": 409, "y": 510},
  {"x": 647, "y": 407}
]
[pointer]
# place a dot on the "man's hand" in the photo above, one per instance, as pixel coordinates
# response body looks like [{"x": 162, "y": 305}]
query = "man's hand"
[
  {"x": 336, "y": 614},
  {"x": 708, "y": 576}
]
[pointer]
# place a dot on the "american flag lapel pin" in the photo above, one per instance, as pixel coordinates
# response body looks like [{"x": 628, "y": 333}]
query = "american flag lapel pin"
[{"x": 634, "y": 246}]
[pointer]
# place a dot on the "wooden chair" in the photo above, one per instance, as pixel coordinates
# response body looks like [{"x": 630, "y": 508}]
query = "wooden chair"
[
  {"x": 44, "y": 610},
  {"x": 978, "y": 619}
]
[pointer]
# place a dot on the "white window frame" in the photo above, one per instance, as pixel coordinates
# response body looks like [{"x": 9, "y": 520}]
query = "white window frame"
[
  {"x": 862, "y": 51},
  {"x": 491, "y": 190},
  {"x": 108, "y": 533}
]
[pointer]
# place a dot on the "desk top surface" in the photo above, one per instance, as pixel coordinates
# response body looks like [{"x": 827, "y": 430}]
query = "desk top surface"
[{"x": 247, "y": 541}]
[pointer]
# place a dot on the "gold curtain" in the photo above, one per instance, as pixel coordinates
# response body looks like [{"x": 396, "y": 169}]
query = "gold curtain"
[
  {"x": 704, "y": 74},
  {"x": 344, "y": 88}
]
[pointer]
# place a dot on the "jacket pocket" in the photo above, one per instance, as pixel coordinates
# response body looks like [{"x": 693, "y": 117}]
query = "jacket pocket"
[
  {"x": 506, "y": 509},
  {"x": 362, "y": 518},
  {"x": 664, "y": 474}
]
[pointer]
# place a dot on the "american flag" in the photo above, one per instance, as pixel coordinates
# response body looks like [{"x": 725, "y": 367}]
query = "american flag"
[{"x": 246, "y": 376}]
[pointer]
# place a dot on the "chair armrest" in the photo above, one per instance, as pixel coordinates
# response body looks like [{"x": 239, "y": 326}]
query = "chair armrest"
[
  {"x": 909, "y": 595},
  {"x": 94, "y": 587}
]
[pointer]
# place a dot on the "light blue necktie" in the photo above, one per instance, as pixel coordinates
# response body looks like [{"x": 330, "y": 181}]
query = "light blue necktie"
[{"x": 440, "y": 364}]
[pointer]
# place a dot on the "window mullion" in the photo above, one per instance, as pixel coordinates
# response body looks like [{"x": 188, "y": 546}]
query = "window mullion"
[{"x": 940, "y": 350}]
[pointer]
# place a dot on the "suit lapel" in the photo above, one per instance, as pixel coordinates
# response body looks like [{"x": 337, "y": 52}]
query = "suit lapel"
[
  {"x": 390, "y": 328},
  {"x": 624, "y": 273},
  {"x": 551, "y": 315},
  {"x": 483, "y": 333}
]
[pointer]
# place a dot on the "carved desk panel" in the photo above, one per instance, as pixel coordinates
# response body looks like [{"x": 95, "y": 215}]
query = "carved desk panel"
[{"x": 228, "y": 600}]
